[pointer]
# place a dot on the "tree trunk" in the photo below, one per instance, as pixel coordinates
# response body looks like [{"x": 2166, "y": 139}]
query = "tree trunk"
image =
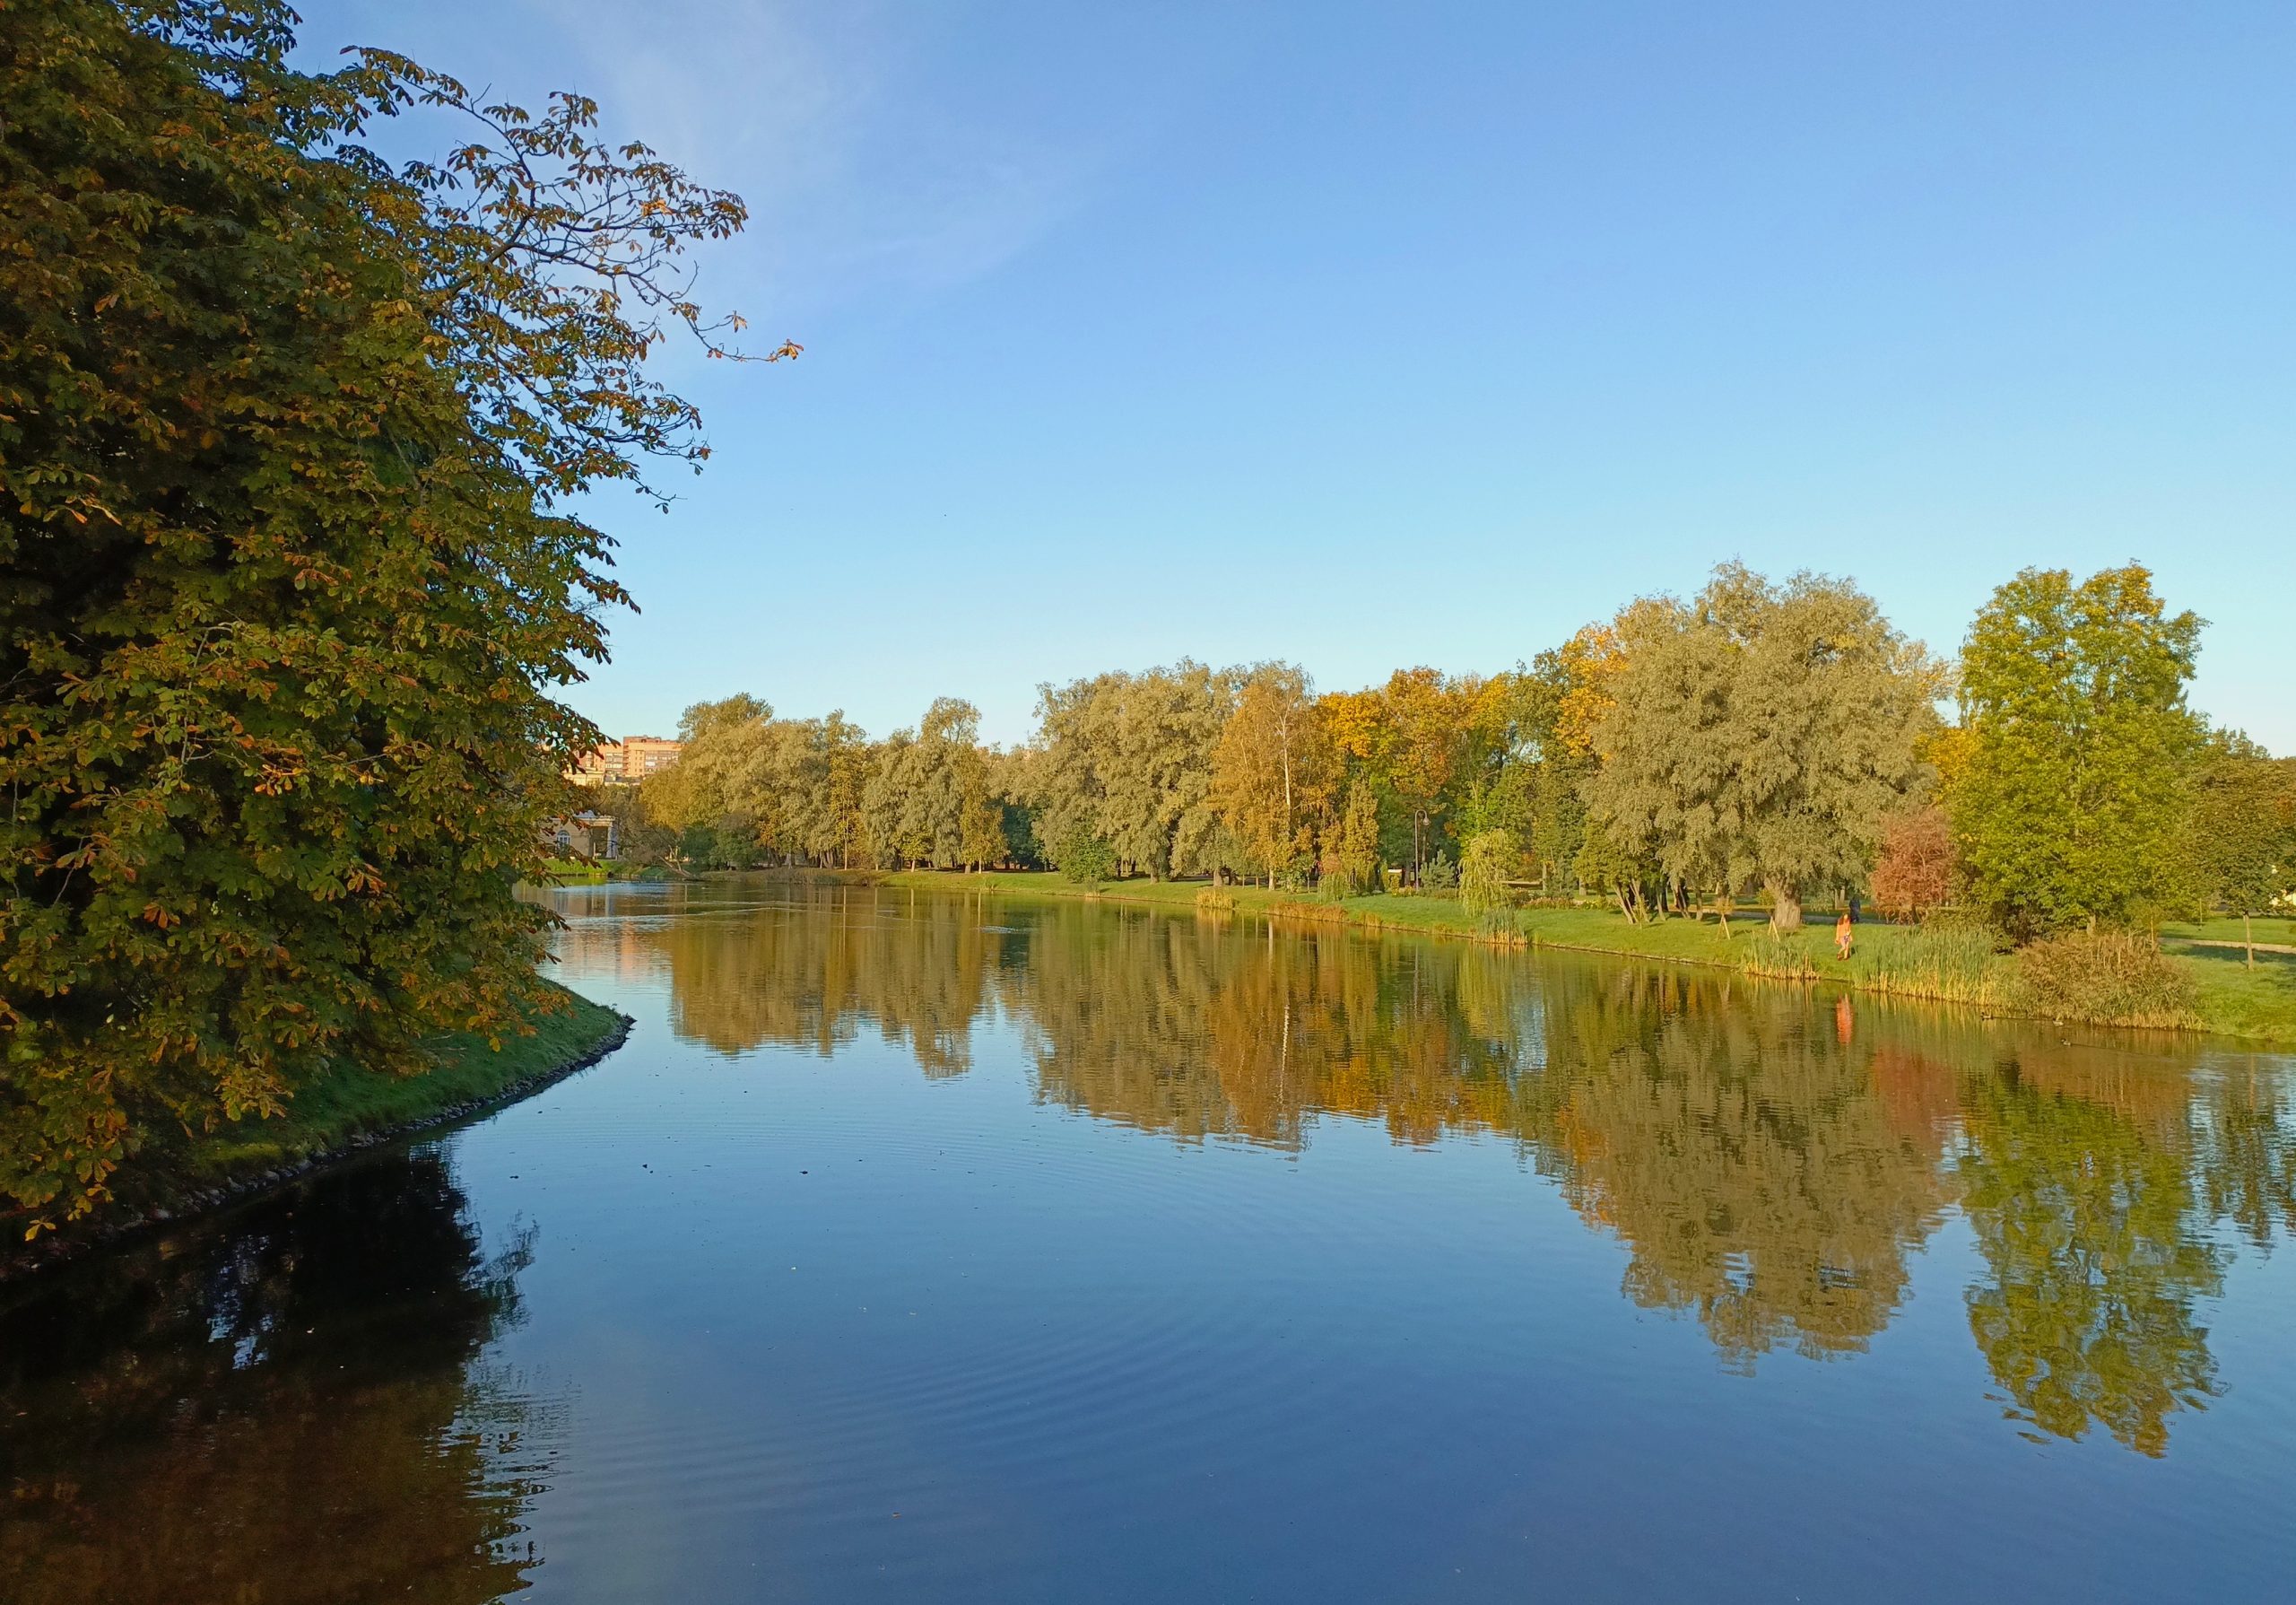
[
  {"x": 1285, "y": 730},
  {"x": 2248, "y": 935},
  {"x": 1723, "y": 903},
  {"x": 1785, "y": 907}
]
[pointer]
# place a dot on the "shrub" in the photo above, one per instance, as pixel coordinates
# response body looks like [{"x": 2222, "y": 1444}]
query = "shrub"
[
  {"x": 2114, "y": 978},
  {"x": 1915, "y": 872},
  {"x": 1340, "y": 877},
  {"x": 1216, "y": 899},
  {"x": 1439, "y": 874},
  {"x": 1087, "y": 860}
]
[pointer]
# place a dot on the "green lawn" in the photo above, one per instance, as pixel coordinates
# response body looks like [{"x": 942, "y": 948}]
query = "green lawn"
[
  {"x": 2240, "y": 1001},
  {"x": 349, "y": 1100},
  {"x": 2276, "y": 932},
  {"x": 2259, "y": 1003}
]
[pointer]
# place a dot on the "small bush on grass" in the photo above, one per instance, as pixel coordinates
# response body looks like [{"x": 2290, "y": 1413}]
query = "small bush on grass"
[{"x": 1087, "y": 860}]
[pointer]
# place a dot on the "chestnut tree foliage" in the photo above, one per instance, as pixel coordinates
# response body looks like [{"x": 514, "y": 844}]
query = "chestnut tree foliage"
[{"x": 287, "y": 438}]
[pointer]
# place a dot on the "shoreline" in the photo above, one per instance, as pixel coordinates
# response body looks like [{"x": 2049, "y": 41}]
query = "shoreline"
[
  {"x": 2229, "y": 1006},
  {"x": 252, "y": 1157}
]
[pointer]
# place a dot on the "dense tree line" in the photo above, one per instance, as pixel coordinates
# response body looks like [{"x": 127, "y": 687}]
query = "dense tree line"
[
  {"x": 1173, "y": 772},
  {"x": 751, "y": 788},
  {"x": 1777, "y": 739}
]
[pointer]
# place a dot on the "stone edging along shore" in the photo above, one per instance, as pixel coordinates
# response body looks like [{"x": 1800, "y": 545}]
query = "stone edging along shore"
[{"x": 18, "y": 1259}]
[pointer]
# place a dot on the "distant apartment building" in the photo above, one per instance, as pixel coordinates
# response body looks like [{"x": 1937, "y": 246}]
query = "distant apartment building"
[{"x": 626, "y": 762}]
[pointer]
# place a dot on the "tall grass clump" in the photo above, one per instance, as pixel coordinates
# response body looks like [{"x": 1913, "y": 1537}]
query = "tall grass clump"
[
  {"x": 1776, "y": 956},
  {"x": 2111, "y": 978},
  {"x": 1952, "y": 964}
]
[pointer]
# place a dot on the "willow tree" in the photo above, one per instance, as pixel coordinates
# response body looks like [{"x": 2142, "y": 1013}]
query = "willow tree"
[
  {"x": 286, "y": 579},
  {"x": 1489, "y": 857},
  {"x": 709, "y": 788},
  {"x": 946, "y": 800},
  {"x": 1761, "y": 735},
  {"x": 1124, "y": 761}
]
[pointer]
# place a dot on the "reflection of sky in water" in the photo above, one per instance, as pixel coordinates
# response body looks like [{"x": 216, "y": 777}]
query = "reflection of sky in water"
[{"x": 1207, "y": 1261}]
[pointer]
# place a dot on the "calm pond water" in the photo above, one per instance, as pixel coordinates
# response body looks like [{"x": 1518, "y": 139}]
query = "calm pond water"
[{"x": 919, "y": 1247}]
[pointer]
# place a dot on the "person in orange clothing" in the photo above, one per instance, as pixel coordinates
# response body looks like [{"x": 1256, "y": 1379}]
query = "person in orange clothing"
[{"x": 1844, "y": 938}]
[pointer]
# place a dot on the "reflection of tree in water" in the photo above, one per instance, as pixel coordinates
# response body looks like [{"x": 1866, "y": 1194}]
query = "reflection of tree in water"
[
  {"x": 1114, "y": 1004},
  {"x": 1749, "y": 1161},
  {"x": 806, "y": 967},
  {"x": 280, "y": 1406},
  {"x": 1751, "y": 1167},
  {"x": 2086, "y": 1214},
  {"x": 1199, "y": 1030},
  {"x": 2244, "y": 1141},
  {"x": 1766, "y": 1168},
  {"x": 1767, "y": 1158}
]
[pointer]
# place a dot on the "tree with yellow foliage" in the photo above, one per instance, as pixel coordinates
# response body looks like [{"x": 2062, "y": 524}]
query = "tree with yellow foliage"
[{"x": 1271, "y": 772}]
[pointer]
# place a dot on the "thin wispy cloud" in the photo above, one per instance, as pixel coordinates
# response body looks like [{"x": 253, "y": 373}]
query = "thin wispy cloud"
[{"x": 864, "y": 176}]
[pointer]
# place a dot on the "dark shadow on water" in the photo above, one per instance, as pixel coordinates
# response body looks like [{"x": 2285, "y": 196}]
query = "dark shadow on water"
[{"x": 284, "y": 1405}]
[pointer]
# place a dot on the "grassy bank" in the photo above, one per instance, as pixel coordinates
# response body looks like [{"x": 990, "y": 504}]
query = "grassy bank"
[
  {"x": 2227, "y": 997},
  {"x": 574, "y": 872},
  {"x": 351, "y": 1101},
  {"x": 350, "y": 1107}
]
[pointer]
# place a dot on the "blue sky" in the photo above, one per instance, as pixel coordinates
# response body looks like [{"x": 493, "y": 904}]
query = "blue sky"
[{"x": 1372, "y": 335}]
